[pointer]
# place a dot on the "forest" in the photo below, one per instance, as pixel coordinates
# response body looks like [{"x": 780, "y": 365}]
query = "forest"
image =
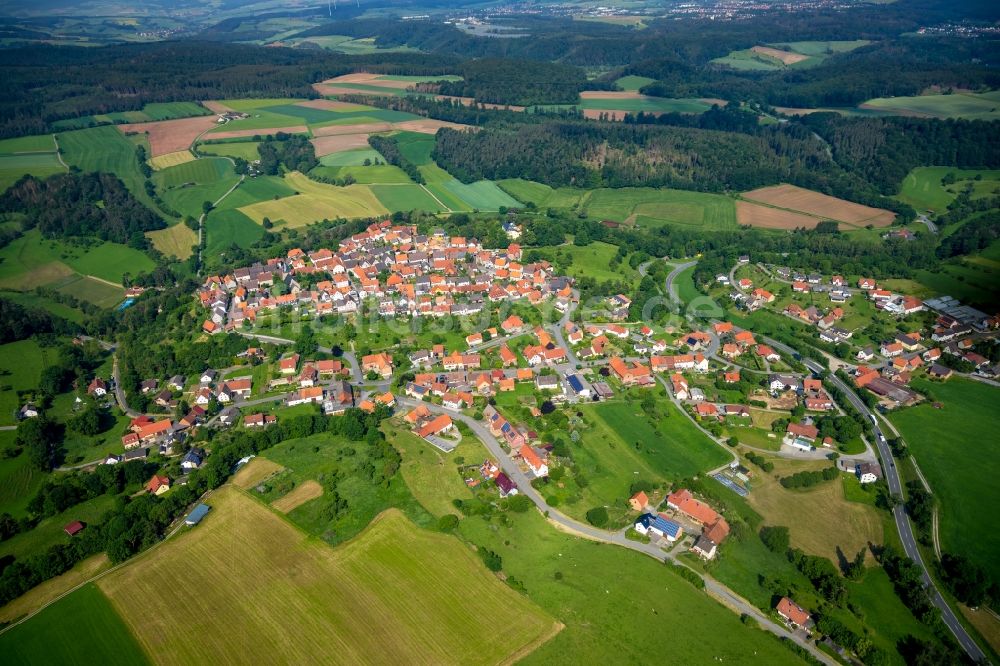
[
  {"x": 75, "y": 204},
  {"x": 520, "y": 82},
  {"x": 44, "y": 84}
]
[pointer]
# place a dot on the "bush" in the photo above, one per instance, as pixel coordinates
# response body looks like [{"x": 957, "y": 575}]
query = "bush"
[
  {"x": 448, "y": 522},
  {"x": 775, "y": 538},
  {"x": 598, "y": 516}
]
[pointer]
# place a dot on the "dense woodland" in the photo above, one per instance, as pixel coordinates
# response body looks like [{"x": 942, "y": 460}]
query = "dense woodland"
[
  {"x": 75, "y": 204},
  {"x": 520, "y": 82}
]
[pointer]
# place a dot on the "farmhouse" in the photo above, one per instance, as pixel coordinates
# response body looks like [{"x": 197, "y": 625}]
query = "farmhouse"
[
  {"x": 868, "y": 472},
  {"x": 158, "y": 485},
  {"x": 794, "y": 614},
  {"x": 638, "y": 501},
  {"x": 801, "y": 436}
]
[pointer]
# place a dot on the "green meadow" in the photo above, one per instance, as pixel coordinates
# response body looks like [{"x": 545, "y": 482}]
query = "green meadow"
[
  {"x": 971, "y": 106},
  {"x": 956, "y": 451},
  {"x": 922, "y": 187},
  {"x": 82, "y": 628}
]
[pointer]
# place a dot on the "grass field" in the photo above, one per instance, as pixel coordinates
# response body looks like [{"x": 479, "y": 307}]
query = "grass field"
[
  {"x": 971, "y": 279},
  {"x": 37, "y": 143},
  {"x": 592, "y": 260},
  {"x": 610, "y": 617},
  {"x": 430, "y": 474},
  {"x": 205, "y": 170},
  {"x": 961, "y": 462},
  {"x": 14, "y": 165},
  {"x": 405, "y": 198},
  {"x": 257, "y": 189},
  {"x": 646, "y": 104},
  {"x": 31, "y": 261},
  {"x": 415, "y": 146},
  {"x": 33, "y": 300},
  {"x": 655, "y": 207},
  {"x": 19, "y": 481},
  {"x": 845, "y": 525},
  {"x": 316, "y": 201},
  {"x": 543, "y": 196},
  {"x": 923, "y": 190},
  {"x": 21, "y": 364},
  {"x": 483, "y": 195},
  {"x": 971, "y": 106},
  {"x": 53, "y": 588},
  {"x": 245, "y": 149},
  {"x": 49, "y": 531},
  {"x": 633, "y": 83},
  {"x": 106, "y": 149},
  {"x": 818, "y": 48},
  {"x": 426, "y": 590},
  {"x": 83, "y": 628},
  {"x": 623, "y": 445}
]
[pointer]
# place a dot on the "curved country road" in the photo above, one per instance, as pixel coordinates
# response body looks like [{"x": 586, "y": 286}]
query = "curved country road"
[{"x": 713, "y": 587}]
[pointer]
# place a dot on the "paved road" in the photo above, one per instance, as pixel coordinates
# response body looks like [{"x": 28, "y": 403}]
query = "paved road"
[
  {"x": 931, "y": 227},
  {"x": 671, "y": 292},
  {"x": 712, "y": 586},
  {"x": 903, "y": 525}
]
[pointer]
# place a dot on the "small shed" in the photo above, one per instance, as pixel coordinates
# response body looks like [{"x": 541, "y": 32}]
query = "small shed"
[
  {"x": 197, "y": 514},
  {"x": 74, "y": 528}
]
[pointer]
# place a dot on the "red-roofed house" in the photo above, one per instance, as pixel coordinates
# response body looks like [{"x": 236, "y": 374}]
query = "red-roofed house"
[
  {"x": 158, "y": 485},
  {"x": 796, "y": 615}
]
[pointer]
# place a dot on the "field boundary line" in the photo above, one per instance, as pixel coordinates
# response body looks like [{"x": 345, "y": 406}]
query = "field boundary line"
[
  {"x": 436, "y": 199},
  {"x": 59, "y": 152}
]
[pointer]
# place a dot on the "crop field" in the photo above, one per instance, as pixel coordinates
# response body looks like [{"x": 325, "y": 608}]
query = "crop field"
[
  {"x": 923, "y": 190},
  {"x": 351, "y": 157},
  {"x": 171, "y": 159},
  {"x": 749, "y": 60},
  {"x": 171, "y": 136},
  {"x": 206, "y": 170},
  {"x": 106, "y": 149},
  {"x": 406, "y": 198},
  {"x": 251, "y": 132},
  {"x": 784, "y": 57},
  {"x": 338, "y": 144},
  {"x": 767, "y": 217},
  {"x": 82, "y": 628},
  {"x": 228, "y": 227},
  {"x": 961, "y": 463},
  {"x": 383, "y": 174},
  {"x": 846, "y": 525},
  {"x": 655, "y": 207},
  {"x": 483, "y": 195},
  {"x": 316, "y": 201},
  {"x": 174, "y": 241},
  {"x": 257, "y": 189},
  {"x": 151, "y": 112},
  {"x": 244, "y": 149},
  {"x": 426, "y": 590},
  {"x": 812, "y": 203},
  {"x": 971, "y": 106},
  {"x": 189, "y": 199}
]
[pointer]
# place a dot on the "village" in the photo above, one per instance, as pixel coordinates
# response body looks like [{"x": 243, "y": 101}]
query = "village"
[{"x": 499, "y": 382}]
